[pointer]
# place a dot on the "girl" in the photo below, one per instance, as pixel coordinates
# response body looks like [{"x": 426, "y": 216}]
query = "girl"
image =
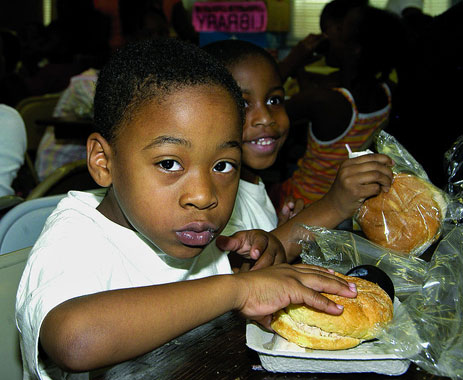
[{"x": 265, "y": 130}]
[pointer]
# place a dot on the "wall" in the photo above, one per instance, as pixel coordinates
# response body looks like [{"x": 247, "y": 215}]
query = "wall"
[{"x": 18, "y": 13}]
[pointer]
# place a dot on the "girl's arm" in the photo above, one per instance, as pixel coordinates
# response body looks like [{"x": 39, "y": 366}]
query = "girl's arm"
[{"x": 357, "y": 179}]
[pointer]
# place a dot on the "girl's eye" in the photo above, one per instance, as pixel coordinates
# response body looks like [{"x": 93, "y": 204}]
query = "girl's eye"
[
  {"x": 170, "y": 165},
  {"x": 246, "y": 104},
  {"x": 224, "y": 167},
  {"x": 275, "y": 100}
]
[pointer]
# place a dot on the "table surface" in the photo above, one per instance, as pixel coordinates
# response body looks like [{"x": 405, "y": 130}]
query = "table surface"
[{"x": 218, "y": 350}]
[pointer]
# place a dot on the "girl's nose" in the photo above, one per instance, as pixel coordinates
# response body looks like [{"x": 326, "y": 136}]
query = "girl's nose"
[{"x": 260, "y": 116}]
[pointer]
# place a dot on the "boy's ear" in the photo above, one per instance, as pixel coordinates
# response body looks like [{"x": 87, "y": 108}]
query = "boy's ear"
[{"x": 99, "y": 155}]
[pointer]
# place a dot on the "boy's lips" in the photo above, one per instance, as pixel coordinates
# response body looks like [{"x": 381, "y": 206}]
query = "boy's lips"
[{"x": 196, "y": 234}]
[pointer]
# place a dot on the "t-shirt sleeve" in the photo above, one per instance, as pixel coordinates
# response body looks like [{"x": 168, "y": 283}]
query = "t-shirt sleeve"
[{"x": 69, "y": 260}]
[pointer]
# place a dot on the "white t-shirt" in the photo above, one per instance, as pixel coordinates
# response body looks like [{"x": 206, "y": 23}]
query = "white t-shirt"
[
  {"x": 13, "y": 144},
  {"x": 82, "y": 252},
  {"x": 253, "y": 209}
]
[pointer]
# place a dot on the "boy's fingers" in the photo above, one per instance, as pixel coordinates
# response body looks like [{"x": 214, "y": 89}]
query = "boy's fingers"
[
  {"x": 316, "y": 267},
  {"x": 324, "y": 280},
  {"x": 265, "y": 321},
  {"x": 336, "y": 285},
  {"x": 320, "y": 302}
]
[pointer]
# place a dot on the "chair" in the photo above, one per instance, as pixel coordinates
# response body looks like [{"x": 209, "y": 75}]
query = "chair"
[
  {"x": 9, "y": 201},
  {"x": 26, "y": 178},
  {"x": 71, "y": 176},
  {"x": 21, "y": 226},
  {"x": 11, "y": 268},
  {"x": 32, "y": 109}
]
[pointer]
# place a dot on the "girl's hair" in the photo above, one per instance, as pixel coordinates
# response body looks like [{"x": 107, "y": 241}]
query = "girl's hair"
[
  {"x": 231, "y": 52},
  {"x": 149, "y": 70}
]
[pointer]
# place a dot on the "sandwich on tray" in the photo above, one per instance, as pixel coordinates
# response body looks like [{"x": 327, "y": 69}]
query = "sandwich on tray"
[{"x": 362, "y": 319}]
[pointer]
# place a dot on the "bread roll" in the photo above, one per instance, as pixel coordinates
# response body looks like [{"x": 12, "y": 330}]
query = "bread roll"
[
  {"x": 406, "y": 219},
  {"x": 362, "y": 319}
]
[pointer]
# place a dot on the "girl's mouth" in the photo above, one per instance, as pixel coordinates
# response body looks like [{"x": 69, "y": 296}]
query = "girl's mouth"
[{"x": 262, "y": 145}]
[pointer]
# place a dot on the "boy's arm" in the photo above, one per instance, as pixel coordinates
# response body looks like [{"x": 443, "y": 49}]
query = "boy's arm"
[
  {"x": 105, "y": 328},
  {"x": 102, "y": 329},
  {"x": 357, "y": 179}
]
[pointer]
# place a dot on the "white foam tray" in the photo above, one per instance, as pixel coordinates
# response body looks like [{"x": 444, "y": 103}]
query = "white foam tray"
[{"x": 279, "y": 355}]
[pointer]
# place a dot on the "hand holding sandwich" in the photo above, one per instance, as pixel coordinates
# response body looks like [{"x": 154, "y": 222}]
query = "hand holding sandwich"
[
  {"x": 358, "y": 179},
  {"x": 265, "y": 291}
]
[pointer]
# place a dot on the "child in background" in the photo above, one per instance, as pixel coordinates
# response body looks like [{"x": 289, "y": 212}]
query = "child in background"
[
  {"x": 356, "y": 104},
  {"x": 265, "y": 131},
  {"x": 106, "y": 280}
]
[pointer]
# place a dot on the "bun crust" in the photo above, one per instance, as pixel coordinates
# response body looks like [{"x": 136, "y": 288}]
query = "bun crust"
[
  {"x": 406, "y": 219},
  {"x": 362, "y": 319}
]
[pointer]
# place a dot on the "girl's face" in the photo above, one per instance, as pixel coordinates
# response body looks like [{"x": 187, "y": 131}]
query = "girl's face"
[
  {"x": 175, "y": 169},
  {"x": 267, "y": 123}
]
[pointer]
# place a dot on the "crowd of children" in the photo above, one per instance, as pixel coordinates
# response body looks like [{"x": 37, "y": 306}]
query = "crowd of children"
[{"x": 184, "y": 228}]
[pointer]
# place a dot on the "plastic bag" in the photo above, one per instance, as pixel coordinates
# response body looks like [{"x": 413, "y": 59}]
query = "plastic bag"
[
  {"x": 427, "y": 327},
  {"x": 409, "y": 218},
  {"x": 343, "y": 250},
  {"x": 453, "y": 160}
]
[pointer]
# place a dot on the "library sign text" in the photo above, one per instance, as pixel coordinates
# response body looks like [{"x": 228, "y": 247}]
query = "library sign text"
[{"x": 232, "y": 17}]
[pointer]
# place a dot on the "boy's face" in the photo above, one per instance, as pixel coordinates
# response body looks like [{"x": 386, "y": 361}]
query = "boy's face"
[
  {"x": 267, "y": 123},
  {"x": 175, "y": 169}
]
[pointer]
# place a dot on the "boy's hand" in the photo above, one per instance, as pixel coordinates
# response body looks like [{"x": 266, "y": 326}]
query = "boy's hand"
[
  {"x": 271, "y": 289},
  {"x": 291, "y": 207},
  {"x": 258, "y": 245},
  {"x": 357, "y": 179}
]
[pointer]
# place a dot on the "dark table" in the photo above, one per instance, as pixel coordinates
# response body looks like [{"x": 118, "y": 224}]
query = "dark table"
[{"x": 217, "y": 350}]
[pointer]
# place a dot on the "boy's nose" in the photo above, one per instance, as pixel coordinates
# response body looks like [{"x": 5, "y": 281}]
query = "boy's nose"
[{"x": 199, "y": 193}]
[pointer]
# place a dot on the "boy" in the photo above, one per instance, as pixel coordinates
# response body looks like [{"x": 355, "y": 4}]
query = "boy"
[{"x": 106, "y": 281}]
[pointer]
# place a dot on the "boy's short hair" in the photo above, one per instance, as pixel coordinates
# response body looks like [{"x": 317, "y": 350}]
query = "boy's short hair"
[
  {"x": 149, "y": 70},
  {"x": 231, "y": 52}
]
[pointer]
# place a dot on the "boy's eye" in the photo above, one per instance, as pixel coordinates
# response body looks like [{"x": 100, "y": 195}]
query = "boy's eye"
[
  {"x": 170, "y": 165},
  {"x": 275, "y": 100},
  {"x": 224, "y": 167}
]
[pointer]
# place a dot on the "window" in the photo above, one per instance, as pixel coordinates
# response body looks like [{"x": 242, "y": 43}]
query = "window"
[
  {"x": 305, "y": 15},
  {"x": 47, "y": 7}
]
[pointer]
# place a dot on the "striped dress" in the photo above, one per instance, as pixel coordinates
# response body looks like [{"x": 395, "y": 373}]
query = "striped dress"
[{"x": 318, "y": 167}]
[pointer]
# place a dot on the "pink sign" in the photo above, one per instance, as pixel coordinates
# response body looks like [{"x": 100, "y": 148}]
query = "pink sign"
[{"x": 233, "y": 17}]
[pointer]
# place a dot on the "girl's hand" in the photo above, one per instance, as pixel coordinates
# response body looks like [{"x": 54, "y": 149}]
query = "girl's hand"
[
  {"x": 291, "y": 208},
  {"x": 260, "y": 246},
  {"x": 358, "y": 179},
  {"x": 263, "y": 292}
]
